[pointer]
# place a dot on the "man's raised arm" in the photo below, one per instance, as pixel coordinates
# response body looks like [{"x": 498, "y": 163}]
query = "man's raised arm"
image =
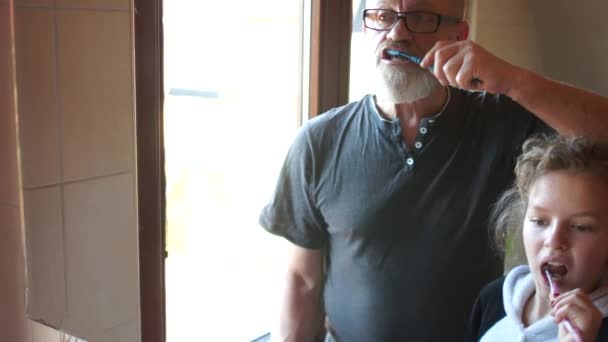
[{"x": 569, "y": 110}]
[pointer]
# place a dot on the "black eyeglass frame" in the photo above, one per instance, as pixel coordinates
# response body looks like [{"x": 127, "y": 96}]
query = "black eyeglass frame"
[{"x": 403, "y": 15}]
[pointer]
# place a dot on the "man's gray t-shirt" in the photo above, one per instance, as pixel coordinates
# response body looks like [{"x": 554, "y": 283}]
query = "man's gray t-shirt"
[{"x": 405, "y": 227}]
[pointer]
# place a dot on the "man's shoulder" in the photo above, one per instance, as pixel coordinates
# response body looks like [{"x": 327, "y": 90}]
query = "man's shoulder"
[
  {"x": 342, "y": 113},
  {"x": 324, "y": 129},
  {"x": 336, "y": 121}
]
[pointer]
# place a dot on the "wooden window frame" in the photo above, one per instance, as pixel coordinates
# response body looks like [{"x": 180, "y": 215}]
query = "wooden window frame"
[
  {"x": 149, "y": 92},
  {"x": 330, "y": 54},
  {"x": 328, "y": 88}
]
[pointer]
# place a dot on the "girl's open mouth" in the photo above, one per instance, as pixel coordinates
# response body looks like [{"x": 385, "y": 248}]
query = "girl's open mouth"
[{"x": 555, "y": 271}]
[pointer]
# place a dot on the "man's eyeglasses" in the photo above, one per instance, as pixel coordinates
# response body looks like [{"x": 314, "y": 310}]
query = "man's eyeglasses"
[{"x": 416, "y": 21}]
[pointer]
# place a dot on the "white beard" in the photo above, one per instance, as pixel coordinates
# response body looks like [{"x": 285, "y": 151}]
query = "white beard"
[{"x": 400, "y": 86}]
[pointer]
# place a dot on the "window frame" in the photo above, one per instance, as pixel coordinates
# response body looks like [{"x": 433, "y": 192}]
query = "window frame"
[
  {"x": 330, "y": 55},
  {"x": 149, "y": 92}
]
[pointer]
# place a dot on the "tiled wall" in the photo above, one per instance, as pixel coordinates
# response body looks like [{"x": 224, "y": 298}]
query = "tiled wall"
[{"x": 76, "y": 120}]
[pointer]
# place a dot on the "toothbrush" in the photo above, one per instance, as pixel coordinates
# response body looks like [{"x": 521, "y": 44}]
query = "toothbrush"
[
  {"x": 414, "y": 59},
  {"x": 567, "y": 324},
  {"x": 475, "y": 82}
]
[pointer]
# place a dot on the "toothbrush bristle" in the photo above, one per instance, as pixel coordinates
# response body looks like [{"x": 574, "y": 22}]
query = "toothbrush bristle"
[{"x": 551, "y": 285}]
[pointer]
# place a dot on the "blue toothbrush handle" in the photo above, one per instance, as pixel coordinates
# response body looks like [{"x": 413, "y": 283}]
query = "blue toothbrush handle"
[
  {"x": 475, "y": 82},
  {"x": 411, "y": 58}
]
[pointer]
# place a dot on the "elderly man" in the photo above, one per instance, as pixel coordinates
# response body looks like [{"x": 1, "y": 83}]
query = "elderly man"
[{"x": 385, "y": 201}]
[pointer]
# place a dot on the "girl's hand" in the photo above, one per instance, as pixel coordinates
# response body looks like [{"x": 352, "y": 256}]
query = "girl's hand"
[{"x": 576, "y": 307}]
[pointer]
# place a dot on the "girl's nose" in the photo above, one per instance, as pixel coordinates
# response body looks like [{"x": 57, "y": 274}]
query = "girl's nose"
[{"x": 557, "y": 236}]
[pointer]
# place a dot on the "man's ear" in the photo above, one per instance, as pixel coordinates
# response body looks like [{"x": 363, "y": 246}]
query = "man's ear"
[{"x": 463, "y": 30}]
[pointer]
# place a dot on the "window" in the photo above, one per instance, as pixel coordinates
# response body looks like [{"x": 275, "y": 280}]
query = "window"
[
  {"x": 233, "y": 81},
  {"x": 362, "y": 67}
]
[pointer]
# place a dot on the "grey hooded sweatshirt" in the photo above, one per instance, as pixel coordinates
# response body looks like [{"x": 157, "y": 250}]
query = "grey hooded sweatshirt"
[{"x": 518, "y": 286}]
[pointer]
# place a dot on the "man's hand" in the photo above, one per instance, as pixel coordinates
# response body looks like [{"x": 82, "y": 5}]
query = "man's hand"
[
  {"x": 576, "y": 307},
  {"x": 466, "y": 65}
]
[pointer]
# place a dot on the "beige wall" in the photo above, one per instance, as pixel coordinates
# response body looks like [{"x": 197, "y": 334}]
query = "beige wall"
[
  {"x": 507, "y": 29},
  {"x": 573, "y": 41},
  {"x": 77, "y": 139},
  {"x": 564, "y": 40},
  {"x": 13, "y": 325}
]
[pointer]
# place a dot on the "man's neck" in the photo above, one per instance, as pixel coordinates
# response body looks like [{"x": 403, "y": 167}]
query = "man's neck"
[{"x": 411, "y": 113}]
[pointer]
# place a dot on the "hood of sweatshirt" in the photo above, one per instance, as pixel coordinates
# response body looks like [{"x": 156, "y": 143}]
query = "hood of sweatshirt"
[{"x": 519, "y": 287}]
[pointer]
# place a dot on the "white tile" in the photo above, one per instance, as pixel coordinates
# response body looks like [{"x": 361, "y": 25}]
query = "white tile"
[
  {"x": 12, "y": 295},
  {"x": 129, "y": 332},
  {"x": 102, "y": 255},
  {"x": 96, "y": 93},
  {"x": 38, "y": 119},
  {"x": 45, "y": 255},
  {"x": 41, "y": 333}
]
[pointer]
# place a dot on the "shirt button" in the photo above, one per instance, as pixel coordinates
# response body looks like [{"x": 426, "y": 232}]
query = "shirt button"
[
  {"x": 423, "y": 130},
  {"x": 410, "y": 161},
  {"x": 418, "y": 144}
]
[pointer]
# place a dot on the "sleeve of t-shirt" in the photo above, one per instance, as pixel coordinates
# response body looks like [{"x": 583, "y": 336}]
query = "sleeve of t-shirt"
[
  {"x": 533, "y": 126},
  {"x": 516, "y": 124},
  {"x": 292, "y": 212}
]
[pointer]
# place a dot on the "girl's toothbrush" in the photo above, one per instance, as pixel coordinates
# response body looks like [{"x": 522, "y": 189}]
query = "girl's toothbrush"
[{"x": 567, "y": 323}]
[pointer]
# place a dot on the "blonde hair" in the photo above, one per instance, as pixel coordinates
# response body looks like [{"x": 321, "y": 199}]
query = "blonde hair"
[{"x": 541, "y": 155}]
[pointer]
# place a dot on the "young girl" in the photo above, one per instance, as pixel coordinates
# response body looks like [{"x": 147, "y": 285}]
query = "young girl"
[{"x": 561, "y": 201}]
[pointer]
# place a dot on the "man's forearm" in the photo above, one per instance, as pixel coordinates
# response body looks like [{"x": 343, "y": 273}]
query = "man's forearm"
[
  {"x": 569, "y": 110},
  {"x": 302, "y": 314}
]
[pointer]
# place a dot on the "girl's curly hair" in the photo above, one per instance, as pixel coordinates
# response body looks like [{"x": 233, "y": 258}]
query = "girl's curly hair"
[{"x": 541, "y": 155}]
